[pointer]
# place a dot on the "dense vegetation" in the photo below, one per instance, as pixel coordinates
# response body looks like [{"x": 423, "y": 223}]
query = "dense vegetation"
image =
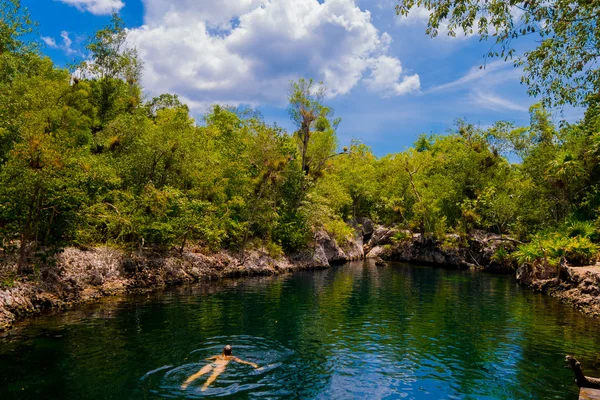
[{"x": 86, "y": 159}]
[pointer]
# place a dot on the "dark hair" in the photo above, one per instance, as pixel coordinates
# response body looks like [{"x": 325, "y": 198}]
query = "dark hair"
[{"x": 227, "y": 350}]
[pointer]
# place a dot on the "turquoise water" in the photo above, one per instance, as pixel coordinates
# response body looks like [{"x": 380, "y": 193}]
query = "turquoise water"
[{"x": 354, "y": 331}]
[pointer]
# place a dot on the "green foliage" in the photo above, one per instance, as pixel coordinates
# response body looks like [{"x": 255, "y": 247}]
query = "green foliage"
[
  {"x": 562, "y": 68},
  {"x": 501, "y": 255},
  {"x": 551, "y": 248},
  {"x": 401, "y": 236},
  {"x": 451, "y": 242},
  {"x": 274, "y": 250},
  {"x": 339, "y": 230},
  {"x": 529, "y": 253},
  {"x": 584, "y": 229}
]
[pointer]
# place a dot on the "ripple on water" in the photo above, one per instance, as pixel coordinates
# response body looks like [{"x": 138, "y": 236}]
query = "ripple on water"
[{"x": 165, "y": 381}]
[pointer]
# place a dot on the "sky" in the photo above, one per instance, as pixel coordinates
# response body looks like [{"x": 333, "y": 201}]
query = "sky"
[{"x": 387, "y": 80}]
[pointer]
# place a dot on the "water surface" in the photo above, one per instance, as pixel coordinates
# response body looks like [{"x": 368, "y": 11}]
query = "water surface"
[{"x": 355, "y": 331}]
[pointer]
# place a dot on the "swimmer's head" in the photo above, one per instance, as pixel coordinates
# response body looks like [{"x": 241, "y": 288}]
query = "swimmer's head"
[{"x": 227, "y": 350}]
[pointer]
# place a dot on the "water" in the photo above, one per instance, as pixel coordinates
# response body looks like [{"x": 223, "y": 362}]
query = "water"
[{"x": 355, "y": 331}]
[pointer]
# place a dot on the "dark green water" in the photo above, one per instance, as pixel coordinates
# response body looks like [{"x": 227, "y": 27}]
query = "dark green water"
[{"x": 355, "y": 331}]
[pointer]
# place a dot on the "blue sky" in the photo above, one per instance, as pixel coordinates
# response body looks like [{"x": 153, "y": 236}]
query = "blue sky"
[{"x": 387, "y": 80}]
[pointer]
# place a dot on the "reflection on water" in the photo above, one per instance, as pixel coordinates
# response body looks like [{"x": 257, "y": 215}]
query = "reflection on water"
[{"x": 355, "y": 331}]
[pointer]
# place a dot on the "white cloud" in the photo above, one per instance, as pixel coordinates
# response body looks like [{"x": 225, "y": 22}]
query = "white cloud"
[
  {"x": 385, "y": 78},
  {"x": 482, "y": 84},
  {"x": 493, "y": 73},
  {"x": 495, "y": 102},
  {"x": 67, "y": 43},
  {"x": 98, "y": 7},
  {"x": 50, "y": 42},
  {"x": 66, "y": 46},
  {"x": 247, "y": 51}
]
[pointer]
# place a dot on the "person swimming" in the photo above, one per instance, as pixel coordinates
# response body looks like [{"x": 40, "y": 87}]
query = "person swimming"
[{"x": 217, "y": 368}]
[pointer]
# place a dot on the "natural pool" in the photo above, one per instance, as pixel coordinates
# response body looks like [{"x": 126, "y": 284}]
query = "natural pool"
[{"x": 354, "y": 331}]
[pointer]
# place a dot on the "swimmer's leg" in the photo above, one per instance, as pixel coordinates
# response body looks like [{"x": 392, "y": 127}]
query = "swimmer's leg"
[
  {"x": 218, "y": 370},
  {"x": 204, "y": 370}
]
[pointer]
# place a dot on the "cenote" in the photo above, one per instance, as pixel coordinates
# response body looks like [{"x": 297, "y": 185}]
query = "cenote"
[{"x": 353, "y": 331}]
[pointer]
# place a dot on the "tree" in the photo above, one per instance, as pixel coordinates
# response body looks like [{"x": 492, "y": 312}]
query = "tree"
[
  {"x": 15, "y": 23},
  {"x": 111, "y": 56},
  {"x": 316, "y": 128},
  {"x": 562, "y": 69},
  {"x": 115, "y": 71}
]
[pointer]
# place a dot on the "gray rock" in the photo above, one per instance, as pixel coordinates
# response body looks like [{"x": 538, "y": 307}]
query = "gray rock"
[
  {"x": 367, "y": 228},
  {"x": 381, "y": 236},
  {"x": 332, "y": 250}
]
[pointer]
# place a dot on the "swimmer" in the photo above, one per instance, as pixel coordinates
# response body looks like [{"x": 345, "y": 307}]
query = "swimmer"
[{"x": 217, "y": 367}]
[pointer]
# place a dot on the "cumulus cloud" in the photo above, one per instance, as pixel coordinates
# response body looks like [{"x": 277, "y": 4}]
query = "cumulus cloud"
[
  {"x": 386, "y": 78},
  {"x": 98, "y": 7},
  {"x": 247, "y": 51}
]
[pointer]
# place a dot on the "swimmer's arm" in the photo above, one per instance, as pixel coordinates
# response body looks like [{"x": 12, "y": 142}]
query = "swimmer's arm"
[
  {"x": 212, "y": 358},
  {"x": 245, "y": 362}
]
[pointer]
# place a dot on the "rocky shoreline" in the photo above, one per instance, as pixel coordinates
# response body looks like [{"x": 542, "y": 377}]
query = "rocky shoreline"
[
  {"x": 79, "y": 275},
  {"x": 76, "y": 275},
  {"x": 576, "y": 286}
]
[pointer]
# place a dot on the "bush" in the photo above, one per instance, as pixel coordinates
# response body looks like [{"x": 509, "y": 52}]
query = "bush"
[
  {"x": 274, "y": 250},
  {"x": 552, "y": 248},
  {"x": 581, "y": 251},
  {"x": 291, "y": 235},
  {"x": 501, "y": 255},
  {"x": 401, "y": 236},
  {"x": 339, "y": 230},
  {"x": 529, "y": 253},
  {"x": 583, "y": 229}
]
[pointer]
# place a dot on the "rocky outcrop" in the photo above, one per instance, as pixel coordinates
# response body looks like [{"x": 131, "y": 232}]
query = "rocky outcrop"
[
  {"x": 578, "y": 286},
  {"x": 366, "y": 228},
  {"x": 333, "y": 252},
  {"x": 74, "y": 275},
  {"x": 381, "y": 236},
  {"x": 527, "y": 274},
  {"x": 351, "y": 249},
  {"x": 476, "y": 251}
]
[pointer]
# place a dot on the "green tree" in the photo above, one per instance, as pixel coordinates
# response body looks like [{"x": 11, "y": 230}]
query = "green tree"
[
  {"x": 316, "y": 127},
  {"x": 115, "y": 71}
]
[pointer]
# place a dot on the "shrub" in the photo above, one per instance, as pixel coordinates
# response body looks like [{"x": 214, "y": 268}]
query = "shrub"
[
  {"x": 552, "y": 248},
  {"x": 274, "y": 250},
  {"x": 340, "y": 231},
  {"x": 501, "y": 255},
  {"x": 583, "y": 229},
  {"x": 581, "y": 251},
  {"x": 529, "y": 253},
  {"x": 401, "y": 236}
]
